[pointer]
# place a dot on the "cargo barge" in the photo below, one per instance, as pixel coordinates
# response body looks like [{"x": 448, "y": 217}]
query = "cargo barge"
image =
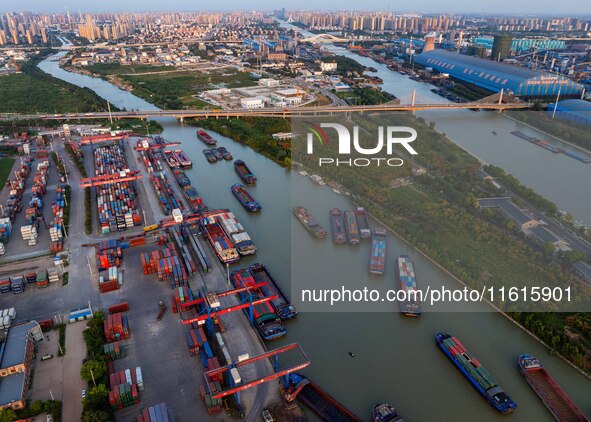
[
  {"x": 379, "y": 248},
  {"x": 405, "y": 272},
  {"x": 351, "y": 229},
  {"x": 217, "y": 154},
  {"x": 547, "y": 145},
  {"x": 325, "y": 406},
  {"x": 206, "y": 137},
  {"x": 282, "y": 305},
  {"x": 385, "y": 413},
  {"x": 337, "y": 226},
  {"x": 220, "y": 242},
  {"x": 362, "y": 223},
  {"x": 552, "y": 395},
  {"x": 474, "y": 372},
  {"x": 235, "y": 231},
  {"x": 182, "y": 158},
  {"x": 209, "y": 156},
  {"x": 304, "y": 216},
  {"x": 244, "y": 197},
  {"x": 171, "y": 159},
  {"x": 189, "y": 192},
  {"x": 266, "y": 321},
  {"x": 225, "y": 153},
  {"x": 244, "y": 173}
]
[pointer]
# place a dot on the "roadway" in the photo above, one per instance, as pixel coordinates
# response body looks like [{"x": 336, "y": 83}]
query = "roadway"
[{"x": 264, "y": 112}]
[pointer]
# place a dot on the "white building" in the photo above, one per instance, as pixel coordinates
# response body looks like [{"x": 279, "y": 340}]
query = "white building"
[
  {"x": 252, "y": 103},
  {"x": 328, "y": 67},
  {"x": 268, "y": 82}
]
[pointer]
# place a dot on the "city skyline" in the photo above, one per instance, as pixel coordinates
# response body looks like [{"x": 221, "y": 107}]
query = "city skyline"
[{"x": 578, "y": 7}]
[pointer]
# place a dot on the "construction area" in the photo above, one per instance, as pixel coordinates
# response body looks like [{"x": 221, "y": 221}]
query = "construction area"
[{"x": 184, "y": 338}]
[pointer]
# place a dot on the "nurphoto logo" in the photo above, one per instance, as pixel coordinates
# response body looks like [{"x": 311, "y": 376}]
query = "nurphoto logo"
[{"x": 388, "y": 136}]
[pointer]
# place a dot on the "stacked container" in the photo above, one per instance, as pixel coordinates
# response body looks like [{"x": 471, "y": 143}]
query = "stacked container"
[
  {"x": 41, "y": 279},
  {"x": 157, "y": 413},
  {"x": 13, "y": 204},
  {"x": 112, "y": 282},
  {"x": 17, "y": 284},
  {"x": 115, "y": 200},
  {"x": 53, "y": 275},
  {"x": 116, "y": 327},
  {"x": 109, "y": 254},
  {"x": 114, "y": 351},
  {"x": 29, "y": 233},
  {"x": 56, "y": 228}
]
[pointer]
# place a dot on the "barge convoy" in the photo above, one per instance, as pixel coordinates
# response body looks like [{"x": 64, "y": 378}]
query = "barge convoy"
[
  {"x": 177, "y": 158},
  {"x": 304, "y": 216},
  {"x": 337, "y": 226},
  {"x": 282, "y": 305},
  {"x": 206, "y": 137},
  {"x": 209, "y": 156},
  {"x": 219, "y": 240},
  {"x": 552, "y": 148},
  {"x": 244, "y": 197},
  {"x": 405, "y": 273},
  {"x": 474, "y": 372},
  {"x": 351, "y": 229},
  {"x": 266, "y": 321},
  {"x": 189, "y": 192},
  {"x": 244, "y": 172},
  {"x": 377, "y": 256},
  {"x": 317, "y": 399},
  {"x": 552, "y": 395}
]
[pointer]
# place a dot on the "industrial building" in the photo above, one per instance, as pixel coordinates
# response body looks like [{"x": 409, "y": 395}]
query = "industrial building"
[
  {"x": 573, "y": 111},
  {"x": 501, "y": 48},
  {"x": 496, "y": 76},
  {"x": 16, "y": 355}
]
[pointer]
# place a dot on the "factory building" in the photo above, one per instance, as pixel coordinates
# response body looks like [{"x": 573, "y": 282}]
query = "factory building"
[
  {"x": 501, "y": 48},
  {"x": 496, "y": 76},
  {"x": 573, "y": 111}
]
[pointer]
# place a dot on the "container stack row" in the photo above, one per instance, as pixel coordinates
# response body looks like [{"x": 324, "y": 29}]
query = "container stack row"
[
  {"x": 116, "y": 327},
  {"x": 156, "y": 413},
  {"x": 117, "y": 202},
  {"x": 13, "y": 204},
  {"x": 56, "y": 227},
  {"x": 114, "y": 350}
]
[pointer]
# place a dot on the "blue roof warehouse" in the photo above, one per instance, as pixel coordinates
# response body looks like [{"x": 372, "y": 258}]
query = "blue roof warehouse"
[
  {"x": 497, "y": 76},
  {"x": 574, "y": 111}
]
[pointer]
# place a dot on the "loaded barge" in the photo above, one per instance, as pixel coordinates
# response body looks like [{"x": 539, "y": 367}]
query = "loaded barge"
[
  {"x": 552, "y": 395},
  {"x": 219, "y": 240},
  {"x": 209, "y": 156},
  {"x": 206, "y": 137},
  {"x": 189, "y": 192},
  {"x": 474, "y": 372},
  {"x": 351, "y": 229},
  {"x": 318, "y": 400},
  {"x": 171, "y": 159},
  {"x": 337, "y": 226},
  {"x": 547, "y": 145},
  {"x": 244, "y": 197},
  {"x": 182, "y": 158},
  {"x": 405, "y": 271},
  {"x": 235, "y": 231},
  {"x": 362, "y": 223},
  {"x": 265, "y": 319},
  {"x": 377, "y": 256},
  {"x": 244, "y": 172},
  {"x": 282, "y": 305},
  {"x": 304, "y": 216}
]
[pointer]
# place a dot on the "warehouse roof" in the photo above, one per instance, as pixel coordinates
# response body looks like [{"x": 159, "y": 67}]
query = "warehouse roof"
[
  {"x": 16, "y": 345},
  {"x": 574, "y": 105},
  {"x": 544, "y": 235},
  {"x": 515, "y": 213},
  {"x": 11, "y": 388},
  {"x": 494, "y": 75}
]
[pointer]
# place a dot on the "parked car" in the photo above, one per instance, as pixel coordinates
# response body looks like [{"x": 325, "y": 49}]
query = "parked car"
[{"x": 46, "y": 357}]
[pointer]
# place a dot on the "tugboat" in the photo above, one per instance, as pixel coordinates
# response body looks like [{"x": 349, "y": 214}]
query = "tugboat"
[{"x": 385, "y": 413}]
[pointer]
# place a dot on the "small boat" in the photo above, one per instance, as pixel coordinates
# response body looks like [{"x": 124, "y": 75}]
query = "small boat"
[
  {"x": 225, "y": 153},
  {"x": 385, "y": 413},
  {"x": 206, "y": 137},
  {"x": 244, "y": 197},
  {"x": 552, "y": 395},
  {"x": 244, "y": 172},
  {"x": 217, "y": 154},
  {"x": 494, "y": 133},
  {"x": 209, "y": 156}
]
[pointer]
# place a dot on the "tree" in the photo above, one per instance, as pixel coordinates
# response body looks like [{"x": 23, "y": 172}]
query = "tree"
[
  {"x": 7, "y": 415},
  {"x": 96, "y": 416},
  {"x": 93, "y": 368},
  {"x": 97, "y": 398},
  {"x": 36, "y": 407}
]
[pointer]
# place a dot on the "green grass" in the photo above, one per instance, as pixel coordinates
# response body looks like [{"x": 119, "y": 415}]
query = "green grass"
[
  {"x": 176, "y": 90},
  {"x": 118, "y": 69},
  {"x": 36, "y": 91},
  {"x": 5, "y": 167}
]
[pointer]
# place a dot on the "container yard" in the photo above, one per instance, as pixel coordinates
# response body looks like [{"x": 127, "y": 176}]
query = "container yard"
[{"x": 117, "y": 202}]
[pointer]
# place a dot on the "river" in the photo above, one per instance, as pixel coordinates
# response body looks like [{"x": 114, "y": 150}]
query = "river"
[{"x": 395, "y": 357}]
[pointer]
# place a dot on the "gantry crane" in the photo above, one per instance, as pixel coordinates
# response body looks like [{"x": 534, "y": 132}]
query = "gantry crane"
[{"x": 123, "y": 176}]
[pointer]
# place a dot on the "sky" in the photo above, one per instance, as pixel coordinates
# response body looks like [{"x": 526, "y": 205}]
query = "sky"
[{"x": 565, "y": 7}]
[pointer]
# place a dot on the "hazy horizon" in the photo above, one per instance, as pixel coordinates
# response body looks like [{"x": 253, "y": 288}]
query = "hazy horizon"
[{"x": 568, "y": 7}]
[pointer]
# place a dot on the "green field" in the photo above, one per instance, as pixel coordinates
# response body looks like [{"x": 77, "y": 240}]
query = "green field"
[
  {"x": 5, "y": 167},
  {"x": 169, "y": 89},
  {"x": 35, "y": 91}
]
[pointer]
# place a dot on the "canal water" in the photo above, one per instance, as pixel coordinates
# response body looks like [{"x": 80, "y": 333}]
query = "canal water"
[{"x": 395, "y": 358}]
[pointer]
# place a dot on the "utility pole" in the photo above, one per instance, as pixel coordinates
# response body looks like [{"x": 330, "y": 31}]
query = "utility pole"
[
  {"x": 556, "y": 104},
  {"x": 109, "y": 108}
]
